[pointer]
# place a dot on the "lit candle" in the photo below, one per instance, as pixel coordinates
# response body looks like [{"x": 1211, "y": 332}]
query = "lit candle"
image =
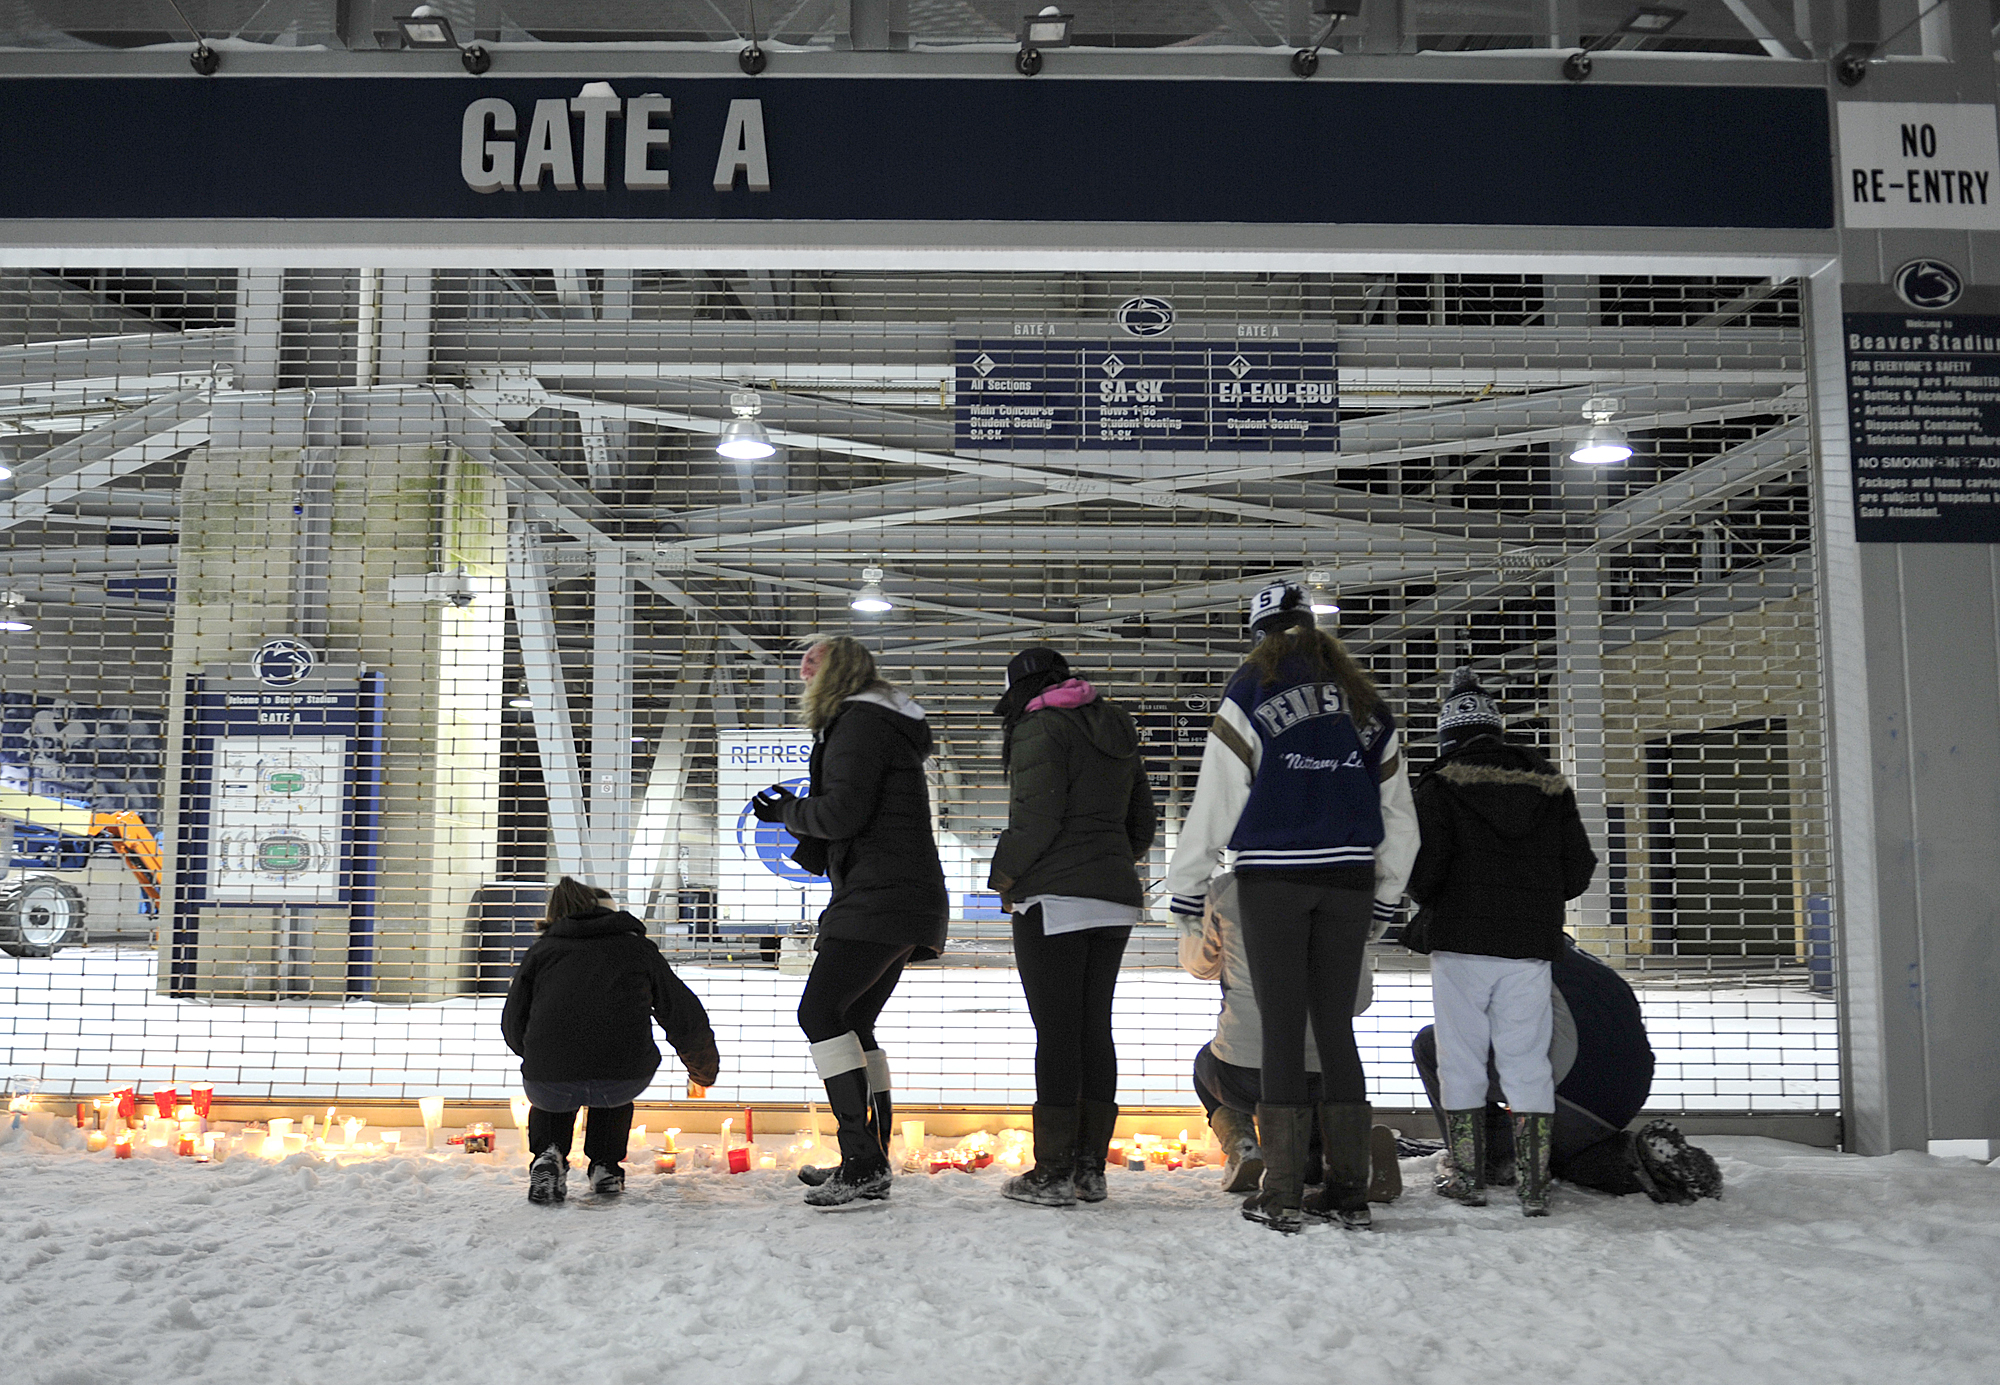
[
  {"x": 667, "y": 1142},
  {"x": 123, "y": 1149},
  {"x": 637, "y": 1138},
  {"x": 352, "y": 1128},
  {"x": 913, "y": 1139},
  {"x": 96, "y": 1141},
  {"x": 727, "y": 1121},
  {"x": 767, "y": 1161},
  {"x": 432, "y": 1110},
  {"x": 274, "y": 1142},
  {"x": 665, "y": 1163},
  {"x": 739, "y": 1160},
  {"x": 521, "y": 1106}
]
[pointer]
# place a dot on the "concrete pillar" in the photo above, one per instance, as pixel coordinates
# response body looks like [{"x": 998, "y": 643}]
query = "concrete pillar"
[
  {"x": 1579, "y": 705},
  {"x": 394, "y": 512}
]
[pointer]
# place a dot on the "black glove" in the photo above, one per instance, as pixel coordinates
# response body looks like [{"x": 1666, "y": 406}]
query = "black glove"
[
  {"x": 769, "y": 806},
  {"x": 703, "y": 1064}
]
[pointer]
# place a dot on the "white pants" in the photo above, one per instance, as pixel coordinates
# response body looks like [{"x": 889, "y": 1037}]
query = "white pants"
[{"x": 1496, "y": 1003}]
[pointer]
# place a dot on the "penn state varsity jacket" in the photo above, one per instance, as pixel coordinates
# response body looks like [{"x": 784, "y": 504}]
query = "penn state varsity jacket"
[{"x": 1289, "y": 782}]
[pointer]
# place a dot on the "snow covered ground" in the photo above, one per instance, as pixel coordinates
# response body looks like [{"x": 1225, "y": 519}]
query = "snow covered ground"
[
  {"x": 89, "y": 1020},
  {"x": 1815, "y": 1267}
]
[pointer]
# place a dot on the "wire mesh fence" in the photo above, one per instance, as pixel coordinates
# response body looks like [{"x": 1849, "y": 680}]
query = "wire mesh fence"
[{"x": 346, "y": 609}]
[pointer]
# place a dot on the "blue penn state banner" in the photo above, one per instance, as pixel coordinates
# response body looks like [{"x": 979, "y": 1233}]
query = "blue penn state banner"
[{"x": 915, "y": 149}]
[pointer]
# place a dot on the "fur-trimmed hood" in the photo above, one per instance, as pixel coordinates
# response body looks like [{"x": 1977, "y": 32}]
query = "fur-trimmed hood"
[
  {"x": 1468, "y": 775},
  {"x": 1509, "y": 787}
]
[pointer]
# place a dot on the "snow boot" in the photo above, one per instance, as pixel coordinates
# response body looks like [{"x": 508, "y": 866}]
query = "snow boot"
[
  {"x": 548, "y": 1176},
  {"x": 1242, "y": 1159},
  {"x": 607, "y": 1180},
  {"x": 864, "y": 1169},
  {"x": 881, "y": 1104},
  {"x": 1672, "y": 1170},
  {"x": 1345, "y": 1136},
  {"x": 1499, "y": 1147},
  {"x": 1385, "y": 1176},
  {"x": 1050, "y": 1183},
  {"x": 1095, "y": 1121},
  {"x": 1534, "y": 1132},
  {"x": 1462, "y": 1173},
  {"x": 1276, "y": 1203}
]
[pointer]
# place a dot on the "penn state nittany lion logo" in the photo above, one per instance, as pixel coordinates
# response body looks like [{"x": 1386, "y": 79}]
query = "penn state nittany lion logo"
[
  {"x": 1145, "y": 317},
  {"x": 1931, "y": 285},
  {"x": 770, "y": 844}
]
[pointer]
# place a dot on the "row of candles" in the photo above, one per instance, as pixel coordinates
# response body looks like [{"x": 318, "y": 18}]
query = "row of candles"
[{"x": 114, "y": 1122}]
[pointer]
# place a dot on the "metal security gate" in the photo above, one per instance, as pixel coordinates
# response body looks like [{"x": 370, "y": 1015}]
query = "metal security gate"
[{"x": 497, "y": 495}]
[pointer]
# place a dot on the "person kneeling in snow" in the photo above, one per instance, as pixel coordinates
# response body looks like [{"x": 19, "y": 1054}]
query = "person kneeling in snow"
[
  {"x": 1228, "y": 1075},
  {"x": 1603, "y": 1069},
  {"x": 579, "y": 1013}
]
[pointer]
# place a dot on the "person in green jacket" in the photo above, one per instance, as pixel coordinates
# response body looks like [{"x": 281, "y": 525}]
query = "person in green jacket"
[{"x": 1080, "y": 816}]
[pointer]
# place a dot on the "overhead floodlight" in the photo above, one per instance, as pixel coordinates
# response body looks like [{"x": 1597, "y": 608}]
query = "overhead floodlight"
[
  {"x": 745, "y": 440},
  {"x": 1650, "y": 21},
  {"x": 10, "y": 613},
  {"x": 869, "y": 599},
  {"x": 1319, "y": 593},
  {"x": 426, "y": 27},
  {"x": 6, "y": 472},
  {"x": 523, "y": 704},
  {"x": 1048, "y": 29},
  {"x": 1604, "y": 443}
]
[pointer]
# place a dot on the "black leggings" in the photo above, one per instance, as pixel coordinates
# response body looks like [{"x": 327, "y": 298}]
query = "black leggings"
[
  {"x": 1305, "y": 945},
  {"x": 1069, "y": 980},
  {"x": 849, "y": 984},
  {"x": 606, "y": 1132}
]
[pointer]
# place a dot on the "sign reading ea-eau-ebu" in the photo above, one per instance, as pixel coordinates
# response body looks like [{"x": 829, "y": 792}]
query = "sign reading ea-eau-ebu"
[{"x": 1227, "y": 394}]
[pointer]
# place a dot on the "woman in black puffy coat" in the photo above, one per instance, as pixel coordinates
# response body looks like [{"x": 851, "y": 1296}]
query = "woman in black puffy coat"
[{"x": 865, "y": 824}]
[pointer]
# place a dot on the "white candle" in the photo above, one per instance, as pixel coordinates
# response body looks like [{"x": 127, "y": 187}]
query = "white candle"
[
  {"x": 432, "y": 1110},
  {"x": 392, "y": 1141},
  {"x": 352, "y": 1127}
]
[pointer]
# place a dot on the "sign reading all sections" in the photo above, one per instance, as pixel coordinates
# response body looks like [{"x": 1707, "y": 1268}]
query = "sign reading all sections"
[
  {"x": 1229, "y": 394},
  {"x": 1917, "y": 164},
  {"x": 1923, "y": 406}
]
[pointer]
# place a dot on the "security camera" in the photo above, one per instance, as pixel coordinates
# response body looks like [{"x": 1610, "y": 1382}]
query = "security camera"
[{"x": 456, "y": 588}]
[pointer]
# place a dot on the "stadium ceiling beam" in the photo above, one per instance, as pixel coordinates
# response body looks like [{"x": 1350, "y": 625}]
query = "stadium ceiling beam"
[
  {"x": 529, "y": 474},
  {"x": 131, "y": 442},
  {"x": 1772, "y": 28}
]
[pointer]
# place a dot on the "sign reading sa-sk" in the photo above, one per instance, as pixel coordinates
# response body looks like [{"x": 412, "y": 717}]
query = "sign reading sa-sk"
[{"x": 1907, "y": 164}]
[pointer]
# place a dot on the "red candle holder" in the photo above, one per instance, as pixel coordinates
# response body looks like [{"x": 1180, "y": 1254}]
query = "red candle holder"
[
  {"x": 666, "y": 1163},
  {"x": 203, "y": 1098},
  {"x": 739, "y": 1160},
  {"x": 121, "y": 1148},
  {"x": 167, "y": 1101},
  {"x": 184, "y": 1147},
  {"x": 128, "y": 1103}
]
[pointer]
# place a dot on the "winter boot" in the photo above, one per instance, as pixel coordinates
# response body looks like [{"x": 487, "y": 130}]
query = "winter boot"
[
  {"x": 1385, "y": 1176},
  {"x": 1050, "y": 1183},
  {"x": 607, "y": 1180},
  {"x": 1672, "y": 1170},
  {"x": 1462, "y": 1174},
  {"x": 1242, "y": 1159},
  {"x": 881, "y": 1105},
  {"x": 864, "y": 1169},
  {"x": 1534, "y": 1132},
  {"x": 1095, "y": 1120},
  {"x": 1276, "y": 1203},
  {"x": 548, "y": 1176},
  {"x": 1499, "y": 1147},
  {"x": 1344, "y": 1131}
]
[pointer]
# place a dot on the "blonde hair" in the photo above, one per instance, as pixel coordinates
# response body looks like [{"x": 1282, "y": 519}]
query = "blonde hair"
[
  {"x": 1327, "y": 658},
  {"x": 846, "y": 668}
]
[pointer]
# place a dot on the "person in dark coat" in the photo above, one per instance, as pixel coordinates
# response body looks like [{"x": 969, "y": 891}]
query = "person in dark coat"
[
  {"x": 865, "y": 823},
  {"x": 1503, "y": 850},
  {"x": 579, "y": 1013},
  {"x": 1080, "y": 815}
]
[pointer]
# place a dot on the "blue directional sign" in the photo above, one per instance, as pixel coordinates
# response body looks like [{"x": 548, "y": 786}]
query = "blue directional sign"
[{"x": 1205, "y": 395}]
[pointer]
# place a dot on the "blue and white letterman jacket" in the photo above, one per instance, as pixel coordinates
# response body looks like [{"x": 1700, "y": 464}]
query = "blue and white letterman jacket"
[{"x": 1289, "y": 782}]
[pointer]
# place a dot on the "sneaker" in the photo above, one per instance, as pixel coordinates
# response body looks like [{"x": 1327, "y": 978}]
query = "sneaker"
[
  {"x": 607, "y": 1180},
  {"x": 845, "y": 1186},
  {"x": 548, "y": 1177}
]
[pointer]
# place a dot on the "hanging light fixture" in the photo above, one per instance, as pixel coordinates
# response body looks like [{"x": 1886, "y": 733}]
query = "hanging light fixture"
[
  {"x": 1319, "y": 592},
  {"x": 10, "y": 613},
  {"x": 869, "y": 599},
  {"x": 1604, "y": 443},
  {"x": 745, "y": 440}
]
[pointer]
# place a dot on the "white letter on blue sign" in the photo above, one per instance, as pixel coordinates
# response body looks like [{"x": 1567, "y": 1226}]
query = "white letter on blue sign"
[
  {"x": 549, "y": 148},
  {"x": 743, "y": 148},
  {"x": 641, "y": 139},
  {"x": 487, "y": 164}
]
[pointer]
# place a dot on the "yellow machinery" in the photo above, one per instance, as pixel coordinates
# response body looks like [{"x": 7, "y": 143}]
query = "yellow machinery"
[{"x": 42, "y": 904}]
